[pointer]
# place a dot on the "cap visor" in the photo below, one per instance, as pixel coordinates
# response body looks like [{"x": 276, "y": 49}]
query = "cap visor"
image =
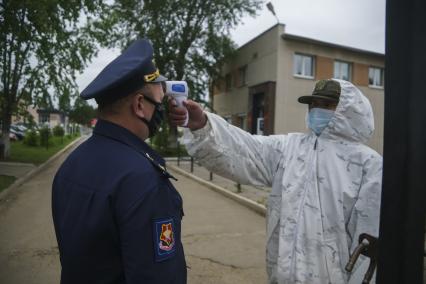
[
  {"x": 309, "y": 99},
  {"x": 160, "y": 78}
]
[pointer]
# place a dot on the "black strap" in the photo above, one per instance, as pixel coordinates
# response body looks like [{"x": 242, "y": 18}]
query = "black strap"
[{"x": 158, "y": 166}]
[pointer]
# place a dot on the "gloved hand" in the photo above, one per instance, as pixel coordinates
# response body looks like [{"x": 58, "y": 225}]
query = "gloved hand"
[{"x": 177, "y": 115}]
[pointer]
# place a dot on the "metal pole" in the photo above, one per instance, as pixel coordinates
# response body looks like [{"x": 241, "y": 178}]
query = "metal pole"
[
  {"x": 402, "y": 223},
  {"x": 192, "y": 164},
  {"x": 239, "y": 188},
  {"x": 211, "y": 176},
  {"x": 178, "y": 153}
]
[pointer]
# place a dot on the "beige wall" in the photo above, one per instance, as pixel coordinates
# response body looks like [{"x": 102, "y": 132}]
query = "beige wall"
[
  {"x": 55, "y": 119},
  {"x": 31, "y": 110},
  {"x": 34, "y": 113},
  {"x": 260, "y": 59}
]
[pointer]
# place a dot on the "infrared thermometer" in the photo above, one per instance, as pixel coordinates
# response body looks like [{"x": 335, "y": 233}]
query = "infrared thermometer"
[{"x": 178, "y": 90}]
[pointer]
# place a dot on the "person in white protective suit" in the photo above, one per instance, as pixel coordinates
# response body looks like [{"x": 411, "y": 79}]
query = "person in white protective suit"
[{"x": 326, "y": 184}]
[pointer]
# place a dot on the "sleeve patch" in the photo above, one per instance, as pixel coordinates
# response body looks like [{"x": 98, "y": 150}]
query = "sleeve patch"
[{"x": 164, "y": 238}]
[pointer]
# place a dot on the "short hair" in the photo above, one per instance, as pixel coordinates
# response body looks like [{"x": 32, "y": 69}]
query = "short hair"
[{"x": 106, "y": 106}]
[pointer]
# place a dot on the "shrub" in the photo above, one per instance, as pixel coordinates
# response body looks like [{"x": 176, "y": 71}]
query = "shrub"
[
  {"x": 31, "y": 138},
  {"x": 58, "y": 131},
  {"x": 44, "y": 136},
  {"x": 160, "y": 140},
  {"x": 171, "y": 152}
]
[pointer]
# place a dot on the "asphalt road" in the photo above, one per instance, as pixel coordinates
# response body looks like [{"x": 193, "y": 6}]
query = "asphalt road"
[{"x": 224, "y": 242}]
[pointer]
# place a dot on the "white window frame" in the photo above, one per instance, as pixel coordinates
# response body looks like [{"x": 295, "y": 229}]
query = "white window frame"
[
  {"x": 303, "y": 58},
  {"x": 337, "y": 73},
  {"x": 260, "y": 126},
  {"x": 381, "y": 79}
]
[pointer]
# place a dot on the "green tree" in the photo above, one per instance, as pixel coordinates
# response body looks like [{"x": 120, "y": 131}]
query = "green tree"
[
  {"x": 64, "y": 102},
  {"x": 82, "y": 113},
  {"x": 190, "y": 37},
  {"x": 43, "y": 44}
]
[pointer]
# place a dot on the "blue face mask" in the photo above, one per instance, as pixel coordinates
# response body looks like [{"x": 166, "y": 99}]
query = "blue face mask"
[{"x": 318, "y": 119}]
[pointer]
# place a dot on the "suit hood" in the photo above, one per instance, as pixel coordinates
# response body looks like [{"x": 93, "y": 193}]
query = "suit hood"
[{"x": 353, "y": 119}]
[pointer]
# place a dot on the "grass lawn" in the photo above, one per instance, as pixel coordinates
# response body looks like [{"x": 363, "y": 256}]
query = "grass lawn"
[
  {"x": 20, "y": 152},
  {"x": 5, "y": 181}
]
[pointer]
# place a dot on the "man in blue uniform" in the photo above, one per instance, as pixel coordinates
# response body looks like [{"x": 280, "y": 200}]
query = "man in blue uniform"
[{"x": 117, "y": 216}]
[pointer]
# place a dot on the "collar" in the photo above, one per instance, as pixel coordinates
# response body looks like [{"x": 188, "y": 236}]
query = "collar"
[{"x": 120, "y": 134}]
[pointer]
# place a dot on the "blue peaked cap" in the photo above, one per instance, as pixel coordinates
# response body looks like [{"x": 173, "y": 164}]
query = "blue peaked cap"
[{"x": 126, "y": 74}]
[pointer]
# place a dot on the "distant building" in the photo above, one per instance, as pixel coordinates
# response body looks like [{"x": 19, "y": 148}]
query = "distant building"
[
  {"x": 50, "y": 117},
  {"x": 259, "y": 86}
]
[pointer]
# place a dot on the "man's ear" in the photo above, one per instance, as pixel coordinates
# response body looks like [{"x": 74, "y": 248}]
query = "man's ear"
[{"x": 137, "y": 105}]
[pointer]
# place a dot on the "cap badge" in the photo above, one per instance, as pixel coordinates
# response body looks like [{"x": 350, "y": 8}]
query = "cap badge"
[{"x": 151, "y": 77}]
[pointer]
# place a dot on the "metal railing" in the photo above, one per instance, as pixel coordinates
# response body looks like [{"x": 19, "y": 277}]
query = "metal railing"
[{"x": 191, "y": 159}]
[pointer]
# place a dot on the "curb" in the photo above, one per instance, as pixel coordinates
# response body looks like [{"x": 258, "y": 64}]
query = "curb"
[
  {"x": 35, "y": 171},
  {"x": 258, "y": 208}
]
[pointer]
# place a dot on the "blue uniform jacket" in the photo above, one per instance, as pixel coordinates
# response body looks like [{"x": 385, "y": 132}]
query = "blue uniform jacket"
[{"x": 117, "y": 216}]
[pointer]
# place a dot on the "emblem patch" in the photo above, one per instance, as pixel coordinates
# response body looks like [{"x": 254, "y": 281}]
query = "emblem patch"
[{"x": 164, "y": 238}]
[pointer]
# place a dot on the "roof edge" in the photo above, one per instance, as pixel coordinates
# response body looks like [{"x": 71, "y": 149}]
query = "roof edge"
[
  {"x": 287, "y": 36},
  {"x": 261, "y": 34}
]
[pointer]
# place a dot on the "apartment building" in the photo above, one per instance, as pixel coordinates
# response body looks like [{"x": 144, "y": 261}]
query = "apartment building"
[{"x": 259, "y": 86}]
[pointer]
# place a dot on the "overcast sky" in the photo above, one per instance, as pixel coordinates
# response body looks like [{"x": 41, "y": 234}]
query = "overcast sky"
[{"x": 355, "y": 23}]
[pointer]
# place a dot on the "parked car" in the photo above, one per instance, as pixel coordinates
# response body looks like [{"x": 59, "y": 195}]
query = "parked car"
[
  {"x": 21, "y": 127},
  {"x": 12, "y": 137},
  {"x": 19, "y": 133}
]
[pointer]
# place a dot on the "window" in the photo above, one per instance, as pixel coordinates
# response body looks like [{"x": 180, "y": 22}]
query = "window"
[
  {"x": 342, "y": 70},
  {"x": 228, "y": 82},
  {"x": 242, "y": 76},
  {"x": 303, "y": 66},
  {"x": 44, "y": 117},
  {"x": 376, "y": 77}
]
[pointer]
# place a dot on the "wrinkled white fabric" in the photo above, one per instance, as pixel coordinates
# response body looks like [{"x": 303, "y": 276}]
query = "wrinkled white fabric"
[{"x": 325, "y": 189}]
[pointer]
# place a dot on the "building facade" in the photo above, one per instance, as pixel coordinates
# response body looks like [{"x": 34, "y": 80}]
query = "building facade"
[
  {"x": 259, "y": 86},
  {"x": 48, "y": 117}
]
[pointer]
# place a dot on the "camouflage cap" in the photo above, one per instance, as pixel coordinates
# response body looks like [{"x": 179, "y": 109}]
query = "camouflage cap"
[{"x": 324, "y": 89}]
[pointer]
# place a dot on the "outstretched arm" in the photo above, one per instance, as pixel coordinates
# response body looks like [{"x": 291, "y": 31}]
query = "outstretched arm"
[{"x": 228, "y": 150}]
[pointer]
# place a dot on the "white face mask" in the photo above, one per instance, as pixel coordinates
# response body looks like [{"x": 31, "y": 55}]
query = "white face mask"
[{"x": 318, "y": 119}]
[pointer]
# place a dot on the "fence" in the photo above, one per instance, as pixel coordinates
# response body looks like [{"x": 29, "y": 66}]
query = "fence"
[{"x": 191, "y": 160}]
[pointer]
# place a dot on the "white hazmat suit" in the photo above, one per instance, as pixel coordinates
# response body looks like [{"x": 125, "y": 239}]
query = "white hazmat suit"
[{"x": 325, "y": 189}]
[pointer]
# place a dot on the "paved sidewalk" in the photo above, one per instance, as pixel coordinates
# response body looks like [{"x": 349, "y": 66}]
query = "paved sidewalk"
[
  {"x": 224, "y": 242},
  {"x": 256, "y": 193}
]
